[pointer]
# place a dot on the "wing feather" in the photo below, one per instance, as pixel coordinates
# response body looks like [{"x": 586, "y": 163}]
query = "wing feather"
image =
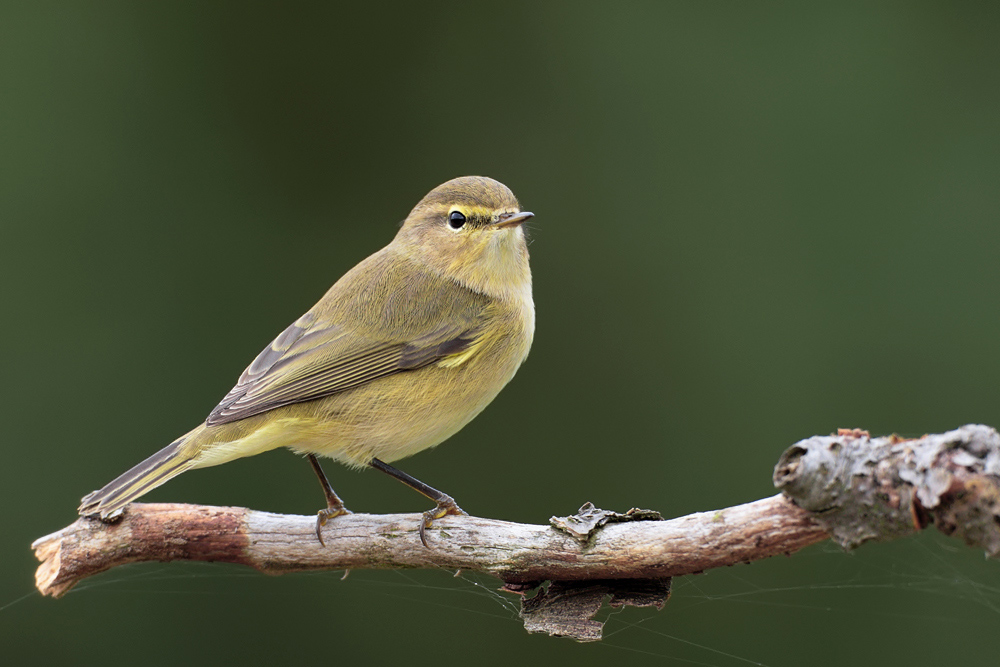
[{"x": 315, "y": 357}]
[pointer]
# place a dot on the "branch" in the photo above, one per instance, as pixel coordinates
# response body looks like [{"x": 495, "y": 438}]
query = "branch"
[
  {"x": 850, "y": 487},
  {"x": 514, "y": 552},
  {"x": 877, "y": 489}
]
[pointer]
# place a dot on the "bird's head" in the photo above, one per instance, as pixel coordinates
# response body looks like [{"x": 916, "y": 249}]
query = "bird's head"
[{"x": 469, "y": 229}]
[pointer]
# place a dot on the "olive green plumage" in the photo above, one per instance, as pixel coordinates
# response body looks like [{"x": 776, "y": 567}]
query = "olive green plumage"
[{"x": 402, "y": 352}]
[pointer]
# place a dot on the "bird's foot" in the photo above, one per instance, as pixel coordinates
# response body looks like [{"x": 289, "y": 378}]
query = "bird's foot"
[
  {"x": 446, "y": 505},
  {"x": 325, "y": 515}
]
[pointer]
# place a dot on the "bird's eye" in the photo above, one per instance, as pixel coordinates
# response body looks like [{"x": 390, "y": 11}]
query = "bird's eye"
[{"x": 456, "y": 220}]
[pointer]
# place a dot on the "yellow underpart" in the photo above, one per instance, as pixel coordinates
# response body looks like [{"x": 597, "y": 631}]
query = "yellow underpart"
[{"x": 271, "y": 435}]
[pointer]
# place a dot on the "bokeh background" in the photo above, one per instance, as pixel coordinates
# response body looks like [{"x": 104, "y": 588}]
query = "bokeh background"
[{"x": 755, "y": 222}]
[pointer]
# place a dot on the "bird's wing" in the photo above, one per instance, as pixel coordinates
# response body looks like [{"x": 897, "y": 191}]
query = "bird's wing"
[
  {"x": 314, "y": 358},
  {"x": 385, "y": 316}
]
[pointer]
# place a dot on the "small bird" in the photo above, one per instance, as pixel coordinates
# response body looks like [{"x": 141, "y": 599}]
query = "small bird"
[{"x": 402, "y": 352}]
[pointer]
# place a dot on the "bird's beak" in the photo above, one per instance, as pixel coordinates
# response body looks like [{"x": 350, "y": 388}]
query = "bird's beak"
[{"x": 513, "y": 219}]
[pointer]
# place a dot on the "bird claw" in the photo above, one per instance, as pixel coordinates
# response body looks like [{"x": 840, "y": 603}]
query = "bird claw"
[
  {"x": 445, "y": 506},
  {"x": 325, "y": 515}
]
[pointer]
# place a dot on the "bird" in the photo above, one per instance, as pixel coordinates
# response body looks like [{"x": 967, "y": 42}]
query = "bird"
[{"x": 399, "y": 354}]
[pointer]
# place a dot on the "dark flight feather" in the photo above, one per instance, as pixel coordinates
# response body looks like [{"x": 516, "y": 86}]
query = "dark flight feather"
[{"x": 303, "y": 365}]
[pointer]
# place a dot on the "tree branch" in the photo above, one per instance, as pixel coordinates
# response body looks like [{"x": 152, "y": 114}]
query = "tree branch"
[
  {"x": 849, "y": 486},
  {"x": 516, "y": 553}
]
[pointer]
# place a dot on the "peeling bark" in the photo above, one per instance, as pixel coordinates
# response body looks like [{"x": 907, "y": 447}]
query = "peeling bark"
[{"x": 862, "y": 488}]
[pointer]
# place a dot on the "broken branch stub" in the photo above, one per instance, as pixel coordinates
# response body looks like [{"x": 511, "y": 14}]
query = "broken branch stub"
[{"x": 861, "y": 488}]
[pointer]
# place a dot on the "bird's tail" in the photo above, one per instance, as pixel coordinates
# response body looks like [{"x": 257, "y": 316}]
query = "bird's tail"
[{"x": 166, "y": 464}]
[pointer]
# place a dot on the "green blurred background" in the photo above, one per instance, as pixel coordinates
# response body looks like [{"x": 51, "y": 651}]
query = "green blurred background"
[{"x": 755, "y": 222}]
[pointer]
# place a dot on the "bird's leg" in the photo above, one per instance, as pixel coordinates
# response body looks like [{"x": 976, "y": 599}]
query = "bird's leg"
[
  {"x": 334, "y": 505},
  {"x": 445, "y": 504}
]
